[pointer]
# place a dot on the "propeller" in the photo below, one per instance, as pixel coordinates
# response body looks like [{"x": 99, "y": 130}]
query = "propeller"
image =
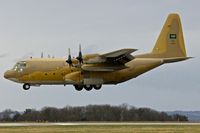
[
  {"x": 69, "y": 60},
  {"x": 80, "y": 57}
]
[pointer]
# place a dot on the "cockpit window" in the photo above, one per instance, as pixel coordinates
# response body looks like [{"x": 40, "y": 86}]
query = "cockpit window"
[{"x": 19, "y": 66}]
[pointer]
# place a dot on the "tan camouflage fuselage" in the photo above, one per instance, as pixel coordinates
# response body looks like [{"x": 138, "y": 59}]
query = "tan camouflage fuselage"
[{"x": 55, "y": 71}]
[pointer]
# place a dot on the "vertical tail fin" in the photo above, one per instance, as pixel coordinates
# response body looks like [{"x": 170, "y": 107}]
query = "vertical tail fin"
[{"x": 170, "y": 42}]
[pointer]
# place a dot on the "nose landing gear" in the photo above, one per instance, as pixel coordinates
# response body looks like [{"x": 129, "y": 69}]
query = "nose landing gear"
[{"x": 26, "y": 86}]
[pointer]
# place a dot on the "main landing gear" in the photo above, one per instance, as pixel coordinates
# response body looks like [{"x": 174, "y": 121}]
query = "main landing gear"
[
  {"x": 87, "y": 87},
  {"x": 78, "y": 87},
  {"x": 26, "y": 86}
]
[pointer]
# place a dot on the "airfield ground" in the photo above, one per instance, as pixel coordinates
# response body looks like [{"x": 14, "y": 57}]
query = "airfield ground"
[{"x": 100, "y": 128}]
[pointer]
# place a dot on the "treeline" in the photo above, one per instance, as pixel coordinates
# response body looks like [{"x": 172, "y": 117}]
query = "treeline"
[{"x": 89, "y": 113}]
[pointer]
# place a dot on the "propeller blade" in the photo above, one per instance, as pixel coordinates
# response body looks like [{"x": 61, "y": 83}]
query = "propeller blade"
[
  {"x": 69, "y": 60},
  {"x": 80, "y": 57}
]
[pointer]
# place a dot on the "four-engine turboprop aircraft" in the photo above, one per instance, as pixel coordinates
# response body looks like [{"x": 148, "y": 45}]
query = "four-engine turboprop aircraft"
[{"x": 94, "y": 70}]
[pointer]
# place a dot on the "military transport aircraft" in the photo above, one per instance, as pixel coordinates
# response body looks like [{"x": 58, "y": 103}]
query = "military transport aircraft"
[{"x": 93, "y": 70}]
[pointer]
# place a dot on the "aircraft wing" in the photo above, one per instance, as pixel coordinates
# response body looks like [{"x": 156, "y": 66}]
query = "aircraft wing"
[
  {"x": 118, "y": 53},
  {"x": 111, "y": 61},
  {"x": 121, "y": 56}
]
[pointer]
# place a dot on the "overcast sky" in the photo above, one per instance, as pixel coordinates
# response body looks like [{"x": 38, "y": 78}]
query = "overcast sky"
[{"x": 28, "y": 27}]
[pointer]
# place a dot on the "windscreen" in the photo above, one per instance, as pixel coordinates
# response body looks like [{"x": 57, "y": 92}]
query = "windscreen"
[{"x": 19, "y": 66}]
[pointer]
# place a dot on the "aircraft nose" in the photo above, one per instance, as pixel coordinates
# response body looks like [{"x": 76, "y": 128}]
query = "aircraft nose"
[{"x": 8, "y": 74}]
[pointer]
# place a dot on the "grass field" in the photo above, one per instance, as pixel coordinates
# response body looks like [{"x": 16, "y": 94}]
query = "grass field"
[{"x": 104, "y": 129}]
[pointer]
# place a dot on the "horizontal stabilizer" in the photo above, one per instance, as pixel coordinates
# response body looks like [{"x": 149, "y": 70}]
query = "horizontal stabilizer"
[{"x": 171, "y": 60}]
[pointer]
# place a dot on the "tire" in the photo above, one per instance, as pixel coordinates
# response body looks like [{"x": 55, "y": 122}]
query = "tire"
[
  {"x": 88, "y": 87},
  {"x": 97, "y": 87},
  {"x": 78, "y": 87},
  {"x": 26, "y": 86}
]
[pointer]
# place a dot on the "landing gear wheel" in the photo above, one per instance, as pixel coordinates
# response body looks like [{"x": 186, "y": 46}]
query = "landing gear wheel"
[
  {"x": 88, "y": 87},
  {"x": 97, "y": 87},
  {"x": 26, "y": 86},
  {"x": 78, "y": 87}
]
